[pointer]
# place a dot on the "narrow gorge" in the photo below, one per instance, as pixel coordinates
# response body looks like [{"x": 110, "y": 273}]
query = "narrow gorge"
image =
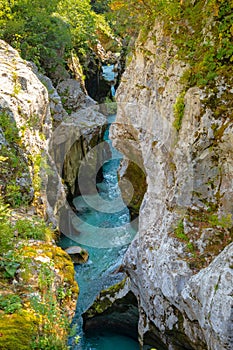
[{"x": 116, "y": 207}]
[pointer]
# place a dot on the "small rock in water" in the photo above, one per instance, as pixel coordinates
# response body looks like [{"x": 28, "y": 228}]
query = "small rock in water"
[{"x": 77, "y": 254}]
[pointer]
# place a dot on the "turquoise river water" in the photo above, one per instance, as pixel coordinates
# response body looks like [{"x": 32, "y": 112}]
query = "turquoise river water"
[{"x": 106, "y": 235}]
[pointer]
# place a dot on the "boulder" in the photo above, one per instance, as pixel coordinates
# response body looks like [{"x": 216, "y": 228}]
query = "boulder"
[
  {"x": 73, "y": 96},
  {"x": 78, "y": 255}
]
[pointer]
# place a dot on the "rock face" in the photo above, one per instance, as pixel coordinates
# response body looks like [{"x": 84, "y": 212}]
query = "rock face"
[
  {"x": 26, "y": 127},
  {"x": 135, "y": 174},
  {"x": 73, "y": 95},
  {"x": 38, "y": 111},
  {"x": 180, "y": 263},
  {"x": 72, "y": 141},
  {"x": 36, "y": 139},
  {"x": 24, "y": 100}
]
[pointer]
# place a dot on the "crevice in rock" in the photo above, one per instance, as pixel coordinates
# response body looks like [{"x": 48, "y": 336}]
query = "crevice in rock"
[
  {"x": 134, "y": 174},
  {"x": 97, "y": 87}
]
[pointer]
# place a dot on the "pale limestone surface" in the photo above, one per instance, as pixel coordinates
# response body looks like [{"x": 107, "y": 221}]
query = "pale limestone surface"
[
  {"x": 45, "y": 126},
  {"x": 186, "y": 172}
]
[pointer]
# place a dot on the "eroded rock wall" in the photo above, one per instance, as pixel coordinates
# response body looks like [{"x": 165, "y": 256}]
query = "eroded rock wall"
[
  {"x": 80, "y": 131},
  {"x": 40, "y": 275},
  {"x": 180, "y": 263},
  {"x": 35, "y": 129}
]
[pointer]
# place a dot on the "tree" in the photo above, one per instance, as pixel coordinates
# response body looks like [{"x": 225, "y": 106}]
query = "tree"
[
  {"x": 33, "y": 29},
  {"x": 133, "y": 15},
  {"x": 79, "y": 15},
  {"x": 100, "y": 6},
  {"x": 46, "y": 31}
]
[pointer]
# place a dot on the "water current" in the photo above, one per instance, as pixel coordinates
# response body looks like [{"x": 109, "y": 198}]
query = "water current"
[{"x": 105, "y": 233}]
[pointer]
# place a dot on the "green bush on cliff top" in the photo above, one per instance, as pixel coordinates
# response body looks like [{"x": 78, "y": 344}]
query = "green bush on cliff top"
[{"x": 202, "y": 31}]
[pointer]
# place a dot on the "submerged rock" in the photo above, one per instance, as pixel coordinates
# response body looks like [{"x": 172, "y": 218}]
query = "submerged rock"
[{"x": 78, "y": 255}]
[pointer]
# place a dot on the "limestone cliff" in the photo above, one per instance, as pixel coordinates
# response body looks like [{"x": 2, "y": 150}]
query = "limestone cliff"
[
  {"x": 180, "y": 263},
  {"x": 38, "y": 289}
]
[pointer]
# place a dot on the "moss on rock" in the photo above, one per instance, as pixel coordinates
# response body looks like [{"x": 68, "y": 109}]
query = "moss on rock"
[
  {"x": 48, "y": 293},
  {"x": 105, "y": 299},
  {"x": 54, "y": 258},
  {"x": 17, "y": 331}
]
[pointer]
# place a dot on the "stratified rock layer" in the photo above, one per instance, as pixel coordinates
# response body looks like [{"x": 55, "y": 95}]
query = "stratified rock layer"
[{"x": 179, "y": 269}]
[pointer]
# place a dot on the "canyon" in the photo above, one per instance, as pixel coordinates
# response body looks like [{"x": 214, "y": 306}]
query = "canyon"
[{"x": 178, "y": 270}]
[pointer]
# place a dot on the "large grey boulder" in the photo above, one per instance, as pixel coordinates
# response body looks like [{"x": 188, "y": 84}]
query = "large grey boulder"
[{"x": 73, "y": 96}]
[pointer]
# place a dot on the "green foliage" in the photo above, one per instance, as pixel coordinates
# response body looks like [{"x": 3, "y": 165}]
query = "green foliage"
[
  {"x": 105, "y": 33},
  {"x": 81, "y": 21},
  {"x": 10, "y": 234},
  {"x": 202, "y": 31},
  {"x": 62, "y": 293},
  {"x": 6, "y": 232},
  {"x": 100, "y": 6},
  {"x": 45, "y": 32},
  {"x": 110, "y": 106},
  {"x": 53, "y": 320},
  {"x": 17, "y": 330},
  {"x": 225, "y": 30},
  {"x": 178, "y": 109},
  {"x": 10, "y": 303},
  {"x": 9, "y": 264},
  {"x": 12, "y": 164},
  {"x": 17, "y": 86},
  {"x": 180, "y": 234},
  {"x": 14, "y": 195},
  {"x": 37, "y": 163},
  {"x": 224, "y": 221},
  {"x": 4, "y": 211},
  {"x": 208, "y": 51},
  {"x": 49, "y": 321},
  {"x": 190, "y": 247},
  {"x": 34, "y": 228},
  {"x": 9, "y": 128},
  {"x": 131, "y": 16},
  {"x": 179, "y": 231},
  {"x": 32, "y": 28},
  {"x": 49, "y": 342}
]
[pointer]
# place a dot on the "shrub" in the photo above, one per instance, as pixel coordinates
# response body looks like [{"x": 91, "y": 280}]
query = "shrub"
[
  {"x": 10, "y": 303},
  {"x": 178, "y": 110}
]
